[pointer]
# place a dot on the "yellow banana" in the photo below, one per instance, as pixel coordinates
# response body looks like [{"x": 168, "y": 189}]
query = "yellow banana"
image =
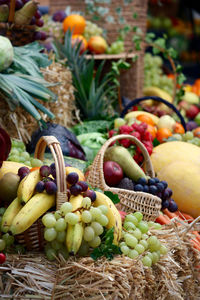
[
  {"x": 10, "y": 213},
  {"x": 27, "y": 186},
  {"x": 76, "y": 202},
  {"x": 31, "y": 211},
  {"x": 113, "y": 215},
  {"x": 155, "y": 91},
  {"x": 10, "y": 166},
  {"x": 74, "y": 237}
]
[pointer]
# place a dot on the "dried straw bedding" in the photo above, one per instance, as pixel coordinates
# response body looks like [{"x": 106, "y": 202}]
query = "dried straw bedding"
[{"x": 175, "y": 277}]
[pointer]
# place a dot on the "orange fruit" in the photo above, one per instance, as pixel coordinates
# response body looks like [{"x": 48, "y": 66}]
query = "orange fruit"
[
  {"x": 153, "y": 130},
  {"x": 145, "y": 119},
  {"x": 75, "y": 23},
  {"x": 178, "y": 128},
  {"x": 77, "y": 38},
  {"x": 196, "y": 132},
  {"x": 163, "y": 133}
]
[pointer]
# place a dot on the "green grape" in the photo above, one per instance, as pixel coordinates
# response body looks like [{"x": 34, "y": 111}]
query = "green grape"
[
  {"x": 177, "y": 136},
  {"x": 2, "y": 210},
  {"x": 138, "y": 215},
  {"x": 144, "y": 244},
  {"x": 143, "y": 226},
  {"x": 95, "y": 242},
  {"x": 133, "y": 254},
  {"x": 65, "y": 208},
  {"x": 14, "y": 151},
  {"x": 84, "y": 249},
  {"x": 98, "y": 228},
  {"x": 86, "y": 202},
  {"x": 188, "y": 136},
  {"x": 125, "y": 249},
  {"x": 88, "y": 234},
  {"x": 2, "y": 244},
  {"x": 103, "y": 220},
  {"x": 60, "y": 225},
  {"x": 147, "y": 262},
  {"x": 61, "y": 236},
  {"x": 9, "y": 239},
  {"x": 21, "y": 145},
  {"x": 22, "y": 159},
  {"x": 119, "y": 122},
  {"x": 155, "y": 257},
  {"x": 47, "y": 246},
  {"x": 132, "y": 219},
  {"x": 150, "y": 254},
  {"x": 27, "y": 163},
  {"x": 163, "y": 250},
  {"x": 122, "y": 244},
  {"x": 86, "y": 216},
  {"x": 139, "y": 248},
  {"x": 50, "y": 234},
  {"x": 152, "y": 240},
  {"x": 57, "y": 214},
  {"x": 49, "y": 220},
  {"x": 157, "y": 226},
  {"x": 51, "y": 254},
  {"x": 130, "y": 240},
  {"x": 96, "y": 213},
  {"x": 155, "y": 247},
  {"x": 63, "y": 252},
  {"x": 26, "y": 155},
  {"x": 56, "y": 245},
  {"x": 137, "y": 233},
  {"x": 36, "y": 162},
  {"x": 150, "y": 224},
  {"x": 71, "y": 218},
  {"x": 129, "y": 225},
  {"x": 104, "y": 209},
  {"x": 14, "y": 158},
  {"x": 144, "y": 236}
]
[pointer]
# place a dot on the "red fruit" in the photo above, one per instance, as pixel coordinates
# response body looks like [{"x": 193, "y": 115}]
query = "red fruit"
[
  {"x": 113, "y": 173},
  {"x": 2, "y": 258},
  {"x": 192, "y": 111},
  {"x": 147, "y": 136},
  {"x": 122, "y": 214},
  {"x": 135, "y": 126},
  {"x": 125, "y": 143},
  {"x": 137, "y": 135},
  {"x": 125, "y": 129},
  {"x": 135, "y": 108},
  {"x": 142, "y": 128},
  {"x": 111, "y": 133},
  {"x": 138, "y": 157}
]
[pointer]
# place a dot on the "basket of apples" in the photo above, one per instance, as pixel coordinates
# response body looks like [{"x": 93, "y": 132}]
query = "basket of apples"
[{"x": 19, "y": 20}]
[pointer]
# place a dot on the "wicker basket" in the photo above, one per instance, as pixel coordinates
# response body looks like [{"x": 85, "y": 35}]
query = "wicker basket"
[
  {"x": 130, "y": 201},
  {"x": 19, "y": 35},
  {"x": 33, "y": 237}
]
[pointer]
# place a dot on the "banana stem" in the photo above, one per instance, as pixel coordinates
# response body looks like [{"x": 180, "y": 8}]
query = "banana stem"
[{"x": 12, "y": 11}]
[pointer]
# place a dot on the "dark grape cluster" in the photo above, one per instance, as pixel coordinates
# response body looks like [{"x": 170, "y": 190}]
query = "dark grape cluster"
[
  {"x": 152, "y": 186},
  {"x": 48, "y": 182},
  {"x": 23, "y": 171}
]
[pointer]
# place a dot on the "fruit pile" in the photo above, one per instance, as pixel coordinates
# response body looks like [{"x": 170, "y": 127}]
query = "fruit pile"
[
  {"x": 138, "y": 242},
  {"x": 26, "y": 13}
]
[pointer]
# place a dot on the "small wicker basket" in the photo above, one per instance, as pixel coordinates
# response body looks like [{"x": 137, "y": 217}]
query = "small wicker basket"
[
  {"x": 130, "y": 201},
  {"x": 33, "y": 237},
  {"x": 19, "y": 35}
]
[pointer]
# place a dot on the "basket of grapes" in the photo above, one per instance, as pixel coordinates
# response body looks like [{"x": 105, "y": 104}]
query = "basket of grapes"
[
  {"x": 102, "y": 175},
  {"x": 19, "y": 20}
]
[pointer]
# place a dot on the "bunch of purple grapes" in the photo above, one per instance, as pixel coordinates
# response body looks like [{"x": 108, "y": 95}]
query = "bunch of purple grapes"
[
  {"x": 23, "y": 171},
  {"x": 48, "y": 183}
]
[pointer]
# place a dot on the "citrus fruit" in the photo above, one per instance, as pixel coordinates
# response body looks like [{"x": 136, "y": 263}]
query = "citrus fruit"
[
  {"x": 145, "y": 119},
  {"x": 196, "y": 132},
  {"x": 75, "y": 23},
  {"x": 178, "y": 128},
  {"x": 77, "y": 38},
  {"x": 162, "y": 134},
  {"x": 152, "y": 130}
]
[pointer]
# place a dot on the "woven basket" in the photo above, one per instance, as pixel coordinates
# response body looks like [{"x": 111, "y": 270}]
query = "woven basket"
[
  {"x": 19, "y": 35},
  {"x": 33, "y": 237},
  {"x": 130, "y": 201}
]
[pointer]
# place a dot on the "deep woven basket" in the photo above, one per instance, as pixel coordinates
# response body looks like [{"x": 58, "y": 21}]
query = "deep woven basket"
[
  {"x": 33, "y": 237},
  {"x": 19, "y": 35},
  {"x": 130, "y": 201}
]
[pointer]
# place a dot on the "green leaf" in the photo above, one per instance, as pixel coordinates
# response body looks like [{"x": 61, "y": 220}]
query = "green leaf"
[{"x": 113, "y": 197}]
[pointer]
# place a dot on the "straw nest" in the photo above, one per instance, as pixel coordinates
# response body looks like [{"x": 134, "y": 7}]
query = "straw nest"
[
  {"x": 19, "y": 124},
  {"x": 175, "y": 277}
]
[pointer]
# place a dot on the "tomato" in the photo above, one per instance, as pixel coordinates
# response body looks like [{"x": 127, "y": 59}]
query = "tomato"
[
  {"x": 162, "y": 134},
  {"x": 178, "y": 128},
  {"x": 145, "y": 119}
]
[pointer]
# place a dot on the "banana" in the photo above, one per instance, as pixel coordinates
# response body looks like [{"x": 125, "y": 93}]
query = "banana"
[
  {"x": 76, "y": 202},
  {"x": 74, "y": 237},
  {"x": 113, "y": 215},
  {"x": 27, "y": 186},
  {"x": 155, "y": 91},
  {"x": 10, "y": 166},
  {"x": 10, "y": 213},
  {"x": 134, "y": 114},
  {"x": 31, "y": 211}
]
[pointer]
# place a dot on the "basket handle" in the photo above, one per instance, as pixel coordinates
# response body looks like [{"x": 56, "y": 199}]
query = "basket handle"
[
  {"x": 158, "y": 99},
  {"x": 149, "y": 168},
  {"x": 56, "y": 151},
  {"x": 11, "y": 11}
]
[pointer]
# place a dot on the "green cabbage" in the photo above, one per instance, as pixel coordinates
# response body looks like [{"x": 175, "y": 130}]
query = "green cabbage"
[{"x": 6, "y": 53}]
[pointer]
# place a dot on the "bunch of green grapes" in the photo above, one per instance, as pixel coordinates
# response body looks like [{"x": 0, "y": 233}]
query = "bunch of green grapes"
[
  {"x": 92, "y": 29},
  {"x": 19, "y": 154},
  {"x": 187, "y": 137},
  {"x": 116, "y": 47},
  {"x": 139, "y": 242},
  {"x": 6, "y": 240},
  {"x": 153, "y": 73}
]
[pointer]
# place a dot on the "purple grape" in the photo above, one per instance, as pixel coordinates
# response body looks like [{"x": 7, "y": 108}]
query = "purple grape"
[
  {"x": 33, "y": 21},
  {"x": 142, "y": 181},
  {"x": 40, "y": 186},
  {"x": 91, "y": 194},
  {"x": 43, "y": 35},
  {"x": 160, "y": 186},
  {"x": 191, "y": 125},
  {"x": 156, "y": 179},
  {"x": 83, "y": 185},
  {"x": 72, "y": 178},
  {"x": 164, "y": 183},
  {"x": 37, "y": 36},
  {"x": 53, "y": 170},
  {"x": 151, "y": 181},
  {"x": 153, "y": 189},
  {"x": 166, "y": 194},
  {"x": 159, "y": 194},
  {"x": 75, "y": 189},
  {"x": 138, "y": 188},
  {"x": 50, "y": 187},
  {"x": 59, "y": 16},
  {"x": 23, "y": 171},
  {"x": 165, "y": 204},
  {"x": 146, "y": 189},
  {"x": 38, "y": 14},
  {"x": 172, "y": 206},
  {"x": 18, "y": 4},
  {"x": 39, "y": 22},
  {"x": 45, "y": 171},
  {"x": 68, "y": 194},
  {"x": 48, "y": 46}
]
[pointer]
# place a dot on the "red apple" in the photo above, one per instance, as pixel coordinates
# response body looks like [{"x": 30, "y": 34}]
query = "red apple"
[
  {"x": 97, "y": 45},
  {"x": 113, "y": 173},
  {"x": 192, "y": 111}
]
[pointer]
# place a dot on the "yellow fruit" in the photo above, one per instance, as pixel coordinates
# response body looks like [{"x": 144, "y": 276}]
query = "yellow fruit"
[
  {"x": 79, "y": 172},
  {"x": 155, "y": 91},
  {"x": 75, "y": 23},
  {"x": 178, "y": 164},
  {"x": 10, "y": 166},
  {"x": 135, "y": 114}
]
